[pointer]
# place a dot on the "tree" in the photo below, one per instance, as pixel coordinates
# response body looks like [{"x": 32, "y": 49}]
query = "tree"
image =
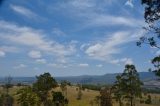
[
  {"x": 156, "y": 63},
  {"x": 118, "y": 89},
  {"x": 152, "y": 16},
  {"x": 131, "y": 83},
  {"x": 58, "y": 99},
  {"x": 43, "y": 85},
  {"x": 26, "y": 97}
]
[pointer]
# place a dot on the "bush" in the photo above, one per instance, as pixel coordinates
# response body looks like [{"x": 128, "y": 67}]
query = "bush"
[{"x": 148, "y": 100}]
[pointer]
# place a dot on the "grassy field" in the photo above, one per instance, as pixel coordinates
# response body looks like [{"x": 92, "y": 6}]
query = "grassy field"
[{"x": 87, "y": 97}]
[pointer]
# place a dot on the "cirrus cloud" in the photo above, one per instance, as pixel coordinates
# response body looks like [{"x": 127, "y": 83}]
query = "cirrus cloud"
[
  {"x": 36, "y": 39},
  {"x": 2, "y": 54},
  {"x": 23, "y": 11},
  {"x": 34, "y": 54}
]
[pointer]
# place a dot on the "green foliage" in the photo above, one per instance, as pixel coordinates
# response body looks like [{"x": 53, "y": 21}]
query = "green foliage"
[
  {"x": 131, "y": 81},
  {"x": 152, "y": 10},
  {"x": 118, "y": 89},
  {"x": 58, "y": 99},
  {"x": 43, "y": 85},
  {"x": 26, "y": 97},
  {"x": 156, "y": 63},
  {"x": 152, "y": 16},
  {"x": 128, "y": 85}
]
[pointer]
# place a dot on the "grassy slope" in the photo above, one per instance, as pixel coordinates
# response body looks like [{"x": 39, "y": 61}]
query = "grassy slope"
[{"x": 88, "y": 95}]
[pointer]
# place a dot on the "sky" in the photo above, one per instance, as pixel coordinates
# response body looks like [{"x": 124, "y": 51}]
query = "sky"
[{"x": 72, "y": 37}]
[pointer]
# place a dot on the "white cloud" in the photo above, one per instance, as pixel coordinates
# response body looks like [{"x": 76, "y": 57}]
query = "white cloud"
[
  {"x": 129, "y": 3},
  {"x": 83, "y": 65},
  {"x": 99, "y": 65},
  {"x": 2, "y": 54},
  {"x": 10, "y": 49},
  {"x": 58, "y": 32},
  {"x": 20, "y": 66},
  {"x": 57, "y": 65},
  {"x": 129, "y": 61},
  {"x": 23, "y": 11},
  {"x": 111, "y": 20},
  {"x": 96, "y": 14},
  {"x": 82, "y": 4},
  {"x": 36, "y": 68},
  {"x": 34, "y": 54},
  {"x": 35, "y": 39},
  {"x": 62, "y": 60},
  {"x": 83, "y": 46},
  {"x": 105, "y": 49},
  {"x": 41, "y": 61},
  {"x": 123, "y": 60}
]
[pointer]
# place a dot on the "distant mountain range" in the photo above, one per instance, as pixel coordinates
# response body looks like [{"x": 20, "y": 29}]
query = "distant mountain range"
[
  {"x": 105, "y": 79},
  {"x": 85, "y": 79}
]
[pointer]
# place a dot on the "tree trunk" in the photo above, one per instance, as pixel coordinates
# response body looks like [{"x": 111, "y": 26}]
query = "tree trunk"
[
  {"x": 120, "y": 102},
  {"x": 131, "y": 101}
]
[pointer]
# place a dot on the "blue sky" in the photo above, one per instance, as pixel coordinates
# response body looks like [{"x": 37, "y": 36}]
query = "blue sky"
[{"x": 71, "y": 37}]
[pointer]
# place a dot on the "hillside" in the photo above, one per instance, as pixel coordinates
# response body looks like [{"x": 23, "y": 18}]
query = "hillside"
[{"x": 104, "y": 79}]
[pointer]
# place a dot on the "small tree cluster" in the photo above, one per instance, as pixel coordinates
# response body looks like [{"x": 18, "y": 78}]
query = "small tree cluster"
[
  {"x": 26, "y": 97},
  {"x": 39, "y": 93}
]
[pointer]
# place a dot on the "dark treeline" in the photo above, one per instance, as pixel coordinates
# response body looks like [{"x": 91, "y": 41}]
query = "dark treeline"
[{"x": 94, "y": 87}]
